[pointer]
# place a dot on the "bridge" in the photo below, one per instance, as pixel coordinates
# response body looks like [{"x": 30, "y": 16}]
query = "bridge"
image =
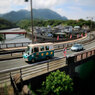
[
  {"x": 40, "y": 68},
  {"x": 12, "y": 31},
  {"x": 28, "y": 71}
]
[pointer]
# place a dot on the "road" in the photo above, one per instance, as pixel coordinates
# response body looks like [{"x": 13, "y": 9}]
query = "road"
[{"x": 21, "y": 62}]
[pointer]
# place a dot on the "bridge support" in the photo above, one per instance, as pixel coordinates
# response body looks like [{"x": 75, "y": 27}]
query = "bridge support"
[
  {"x": 25, "y": 35},
  {"x": 4, "y": 36},
  {"x": 71, "y": 65}
]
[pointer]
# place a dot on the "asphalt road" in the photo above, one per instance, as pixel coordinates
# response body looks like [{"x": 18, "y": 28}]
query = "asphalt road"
[{"x": 7, "y": 64}]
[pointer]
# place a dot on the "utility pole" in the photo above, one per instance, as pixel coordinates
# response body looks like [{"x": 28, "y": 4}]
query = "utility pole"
[
  {"x": 91, "y": 18},
  {"x": 31, "y": 19}
]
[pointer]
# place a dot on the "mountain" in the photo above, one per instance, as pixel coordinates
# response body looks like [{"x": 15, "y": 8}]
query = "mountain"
[{"x": 45, "y": 14}]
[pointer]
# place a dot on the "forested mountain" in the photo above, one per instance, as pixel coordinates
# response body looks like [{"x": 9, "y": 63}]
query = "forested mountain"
[
  {"x": 45, "y": 14},
  {"x": 5, "y": 24}
]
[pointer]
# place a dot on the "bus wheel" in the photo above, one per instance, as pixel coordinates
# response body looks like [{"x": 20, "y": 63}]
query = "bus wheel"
[
  {"x": 33, "y": 60},
  {"x": 47, "y": 57}
]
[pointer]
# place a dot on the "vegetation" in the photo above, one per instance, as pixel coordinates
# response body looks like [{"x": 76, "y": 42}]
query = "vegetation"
[
  {"x": 1, "y": 37},
  {"x": 57, "y": 83},
  {"x": 5, "y": 24},
  {"x": 26, "y": 23},
  {"x": 44, "y": 14}
]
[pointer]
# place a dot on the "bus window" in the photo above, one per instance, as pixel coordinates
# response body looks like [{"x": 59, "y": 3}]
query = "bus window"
[
  {"x": 47, "y": 47},
  {"x": 42, "y": 48},
  {"x": 36, "y": 49},
  {"x": 50, "y": 47}
]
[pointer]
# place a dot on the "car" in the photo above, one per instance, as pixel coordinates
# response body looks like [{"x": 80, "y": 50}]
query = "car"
[
  {"x": 50, "y": 35},
  {"x": 77, "y": 47}
]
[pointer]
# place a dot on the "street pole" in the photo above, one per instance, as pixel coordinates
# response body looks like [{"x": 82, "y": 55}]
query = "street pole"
[
  {"x": 31, "y": 19},
  {"x": 91, "y": 18}
]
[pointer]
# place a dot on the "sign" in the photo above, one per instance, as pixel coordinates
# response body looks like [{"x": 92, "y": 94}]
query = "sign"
[{"x": 57, "y": 37}]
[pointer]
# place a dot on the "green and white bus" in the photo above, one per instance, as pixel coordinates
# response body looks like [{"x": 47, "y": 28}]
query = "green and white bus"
[{"x": 36, "y": 52}]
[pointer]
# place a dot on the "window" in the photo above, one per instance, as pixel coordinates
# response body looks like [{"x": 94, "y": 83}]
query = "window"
[
  {"x": 36, "y": 49},
  {"x": 50, "y": 47},
  {"x": 47, "y": 47},
  {"x": 42, "y": 48}
]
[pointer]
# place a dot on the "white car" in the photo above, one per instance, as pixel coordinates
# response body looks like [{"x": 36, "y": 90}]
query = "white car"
[{"x": 77, "y": 47}]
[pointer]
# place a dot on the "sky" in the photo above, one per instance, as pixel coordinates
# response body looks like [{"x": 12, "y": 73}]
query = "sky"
[{"x": 72, "y": 9}]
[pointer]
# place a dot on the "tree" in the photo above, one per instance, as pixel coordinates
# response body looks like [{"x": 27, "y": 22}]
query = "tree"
[
  {"x": 58, "y": 83},
  {"x": 24, "y": 24},
  {"x": 1, "y": 37},
  {"x": 5, "y": 24}
]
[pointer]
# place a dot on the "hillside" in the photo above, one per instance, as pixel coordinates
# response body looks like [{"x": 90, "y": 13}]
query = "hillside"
[
  {"x": 4, "y": 24},
  {"x": 45, "y": 14}
]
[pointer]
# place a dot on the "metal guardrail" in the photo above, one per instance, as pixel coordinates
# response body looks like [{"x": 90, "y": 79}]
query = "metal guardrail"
[{"x": 11, "y": 45}]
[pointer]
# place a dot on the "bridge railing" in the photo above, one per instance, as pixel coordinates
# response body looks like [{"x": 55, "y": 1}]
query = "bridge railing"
[
  {"x": 32, "y": 70},
  {"x": 84, "y": 55},
  {"x": 11, "y": 45}
]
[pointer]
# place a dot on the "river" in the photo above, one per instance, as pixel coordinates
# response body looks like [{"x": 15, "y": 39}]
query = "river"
[
  {"x": 86, "y": 83},
  {"x": 15, "y": 38}
]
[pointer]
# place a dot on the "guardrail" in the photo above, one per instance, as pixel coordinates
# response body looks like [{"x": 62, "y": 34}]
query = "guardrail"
[
  {"x": 32, "y": 70},
  {"x": 10, "y": 45}
]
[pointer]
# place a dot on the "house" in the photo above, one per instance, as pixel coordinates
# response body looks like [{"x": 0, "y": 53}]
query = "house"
[{"x": 68, "y": 29}]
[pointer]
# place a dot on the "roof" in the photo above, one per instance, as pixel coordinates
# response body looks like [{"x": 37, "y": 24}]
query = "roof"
[
  {"x": 40, "y": 44},
  {"x": 60, "y": 33}
]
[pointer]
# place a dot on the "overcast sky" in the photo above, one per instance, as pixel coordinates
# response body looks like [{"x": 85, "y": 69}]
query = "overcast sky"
[{"x": 72, "y": 9}]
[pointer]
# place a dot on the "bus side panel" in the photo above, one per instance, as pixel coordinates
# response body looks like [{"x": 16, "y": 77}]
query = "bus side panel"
[
  {"x": 42, "y": 55},
  {"x": 50, "y": 53}
]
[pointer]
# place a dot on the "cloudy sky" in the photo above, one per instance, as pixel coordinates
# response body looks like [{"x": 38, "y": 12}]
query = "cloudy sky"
[{"x": 72, "y": 9}]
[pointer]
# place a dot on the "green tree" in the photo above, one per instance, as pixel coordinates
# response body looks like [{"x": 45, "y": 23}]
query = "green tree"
[
  {"x": 24, "y": 24},
  {"x": 1, "y": 37},
  {"x": 5, "y": 24},
  {"x": 58, "y": 83}
]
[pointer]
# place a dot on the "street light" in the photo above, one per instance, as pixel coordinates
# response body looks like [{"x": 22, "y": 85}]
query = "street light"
[{"x": 31, "y": 19}]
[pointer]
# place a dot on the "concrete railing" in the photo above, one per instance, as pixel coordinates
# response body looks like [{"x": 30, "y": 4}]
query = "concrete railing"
[
  {"x": 32, "y": 70},
  {"x": 84, "y": 55}
]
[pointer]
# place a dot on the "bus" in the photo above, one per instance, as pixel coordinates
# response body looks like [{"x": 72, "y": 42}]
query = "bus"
[{"x": 40, "y": 51}]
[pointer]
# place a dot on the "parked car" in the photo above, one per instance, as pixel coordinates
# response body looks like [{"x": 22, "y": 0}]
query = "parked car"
[
  {"x": 50, "y": 35},
  {"x": 77, "y": 47}
]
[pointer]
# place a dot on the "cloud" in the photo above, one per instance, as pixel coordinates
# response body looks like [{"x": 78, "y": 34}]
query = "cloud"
[
  {"x": 72, "y": 9},
  {"x": 47, "y": 3},
  {"x": 5, "y": 6}
]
